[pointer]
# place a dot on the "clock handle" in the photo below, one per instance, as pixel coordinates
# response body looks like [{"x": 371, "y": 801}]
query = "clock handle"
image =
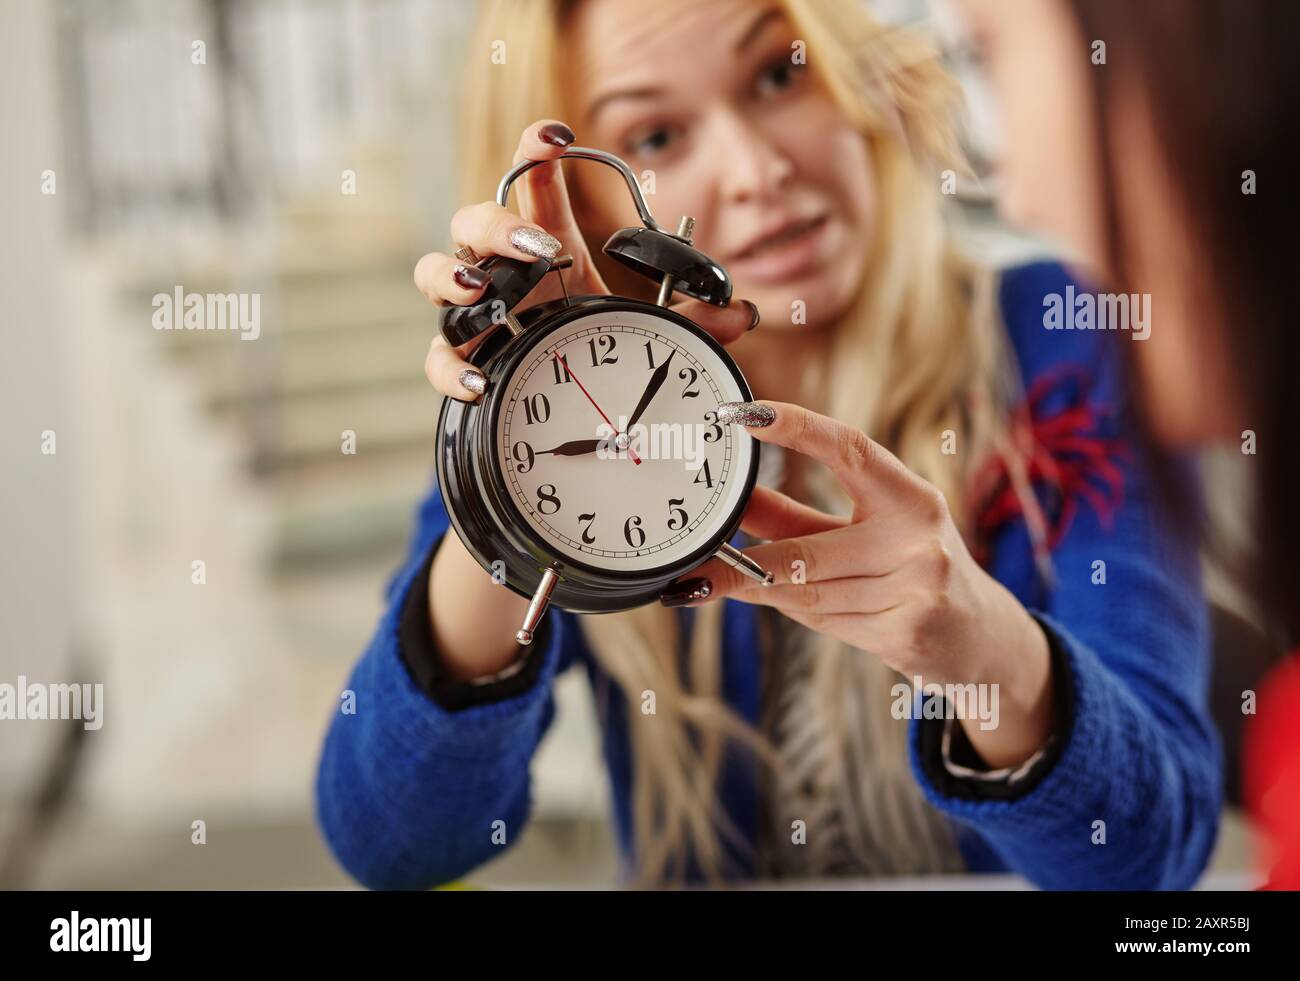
[
  {"x": 584, "y": 153},
  {"x": 742, "y": 562},
  {"x": 541, "y": 597},
  {"x": 651, "y": 250}
]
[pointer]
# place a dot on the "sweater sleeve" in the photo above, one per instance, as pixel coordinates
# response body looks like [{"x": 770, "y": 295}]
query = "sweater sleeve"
[
  {"x": 409, "y": 793},
  {"x": 1132, "y": 799}
]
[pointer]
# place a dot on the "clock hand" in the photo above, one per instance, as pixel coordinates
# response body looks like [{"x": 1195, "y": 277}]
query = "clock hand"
[
  {"x": 565, "y": 364},
  {"x": 575, "y": 447},
  {"x": 652, "y": 389}
]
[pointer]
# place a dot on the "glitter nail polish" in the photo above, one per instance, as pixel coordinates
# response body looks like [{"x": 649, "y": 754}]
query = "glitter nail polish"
[
  {"x": 536, "y": 242},
  {"x": 751, "y": 415}
]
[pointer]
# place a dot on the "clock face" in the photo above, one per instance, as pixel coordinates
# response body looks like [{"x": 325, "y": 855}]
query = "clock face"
[{"x": 681, "y": 474}]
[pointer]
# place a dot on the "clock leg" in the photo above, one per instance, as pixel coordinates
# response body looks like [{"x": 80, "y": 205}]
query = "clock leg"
[
  {"x": 739, "y": 560},
  {"x": 537, "y": 607}
]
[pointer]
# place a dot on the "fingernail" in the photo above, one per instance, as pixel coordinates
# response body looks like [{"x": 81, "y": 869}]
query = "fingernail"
[
  {"x": 753, "y": 314},
  {"x": 556, "y": 134},
  {"x": 536, "y": 242},
  {"x": 471, "y": 277},
  {"x": 474, "y": 380},
  {"x": 686, "y": 591},
  {"x": 751, "y": 415}
]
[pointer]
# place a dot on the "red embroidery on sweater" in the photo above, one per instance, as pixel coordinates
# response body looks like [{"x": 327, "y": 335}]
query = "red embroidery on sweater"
[{"x": 1067, "y": 456}]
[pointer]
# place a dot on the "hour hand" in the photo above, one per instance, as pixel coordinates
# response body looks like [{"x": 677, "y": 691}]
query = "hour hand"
[{"x": 575, "y": 447}]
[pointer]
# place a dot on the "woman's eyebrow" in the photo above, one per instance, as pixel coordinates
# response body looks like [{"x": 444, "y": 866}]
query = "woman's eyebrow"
[
  {"x": 648, "y": 92},
  {"x": 756, "y": 28}
]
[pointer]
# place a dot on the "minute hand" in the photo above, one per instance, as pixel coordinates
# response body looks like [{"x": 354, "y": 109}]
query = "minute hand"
[{"x": 656, "y": 382}]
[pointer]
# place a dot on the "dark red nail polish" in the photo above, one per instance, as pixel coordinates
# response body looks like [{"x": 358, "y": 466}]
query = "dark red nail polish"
[
  {"x": 753, "y": 313},
  {"x": 556, "y": 134},
  {"x": 470, "y": 277},
  {"x": 686, "y": 591}
]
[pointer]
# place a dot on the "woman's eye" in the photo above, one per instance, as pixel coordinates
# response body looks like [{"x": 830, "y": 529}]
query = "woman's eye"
[
  {"x": 652, "y": 142},
  {"x": 779, "y": 77}
]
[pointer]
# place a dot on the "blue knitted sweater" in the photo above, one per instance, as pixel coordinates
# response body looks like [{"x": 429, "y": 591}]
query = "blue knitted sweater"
[{"x": 408, "y": 792}]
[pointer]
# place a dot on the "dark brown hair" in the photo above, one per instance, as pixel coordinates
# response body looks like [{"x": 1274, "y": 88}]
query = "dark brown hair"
[{"x": 1221, "y": 83}]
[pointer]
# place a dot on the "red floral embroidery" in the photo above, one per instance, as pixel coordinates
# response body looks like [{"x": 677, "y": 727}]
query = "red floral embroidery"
[{"x": 1069, "y": 453}]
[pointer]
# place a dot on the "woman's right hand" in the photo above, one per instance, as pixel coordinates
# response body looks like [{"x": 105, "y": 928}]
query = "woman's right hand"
[{"x": 544, "y": 228}]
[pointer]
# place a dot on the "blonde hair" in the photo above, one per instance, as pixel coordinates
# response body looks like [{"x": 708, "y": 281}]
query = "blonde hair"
[{"x": 919, "y": 353}]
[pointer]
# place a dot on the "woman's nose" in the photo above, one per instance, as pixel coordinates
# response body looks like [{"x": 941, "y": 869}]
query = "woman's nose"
[{"x": 752, "y": 167}]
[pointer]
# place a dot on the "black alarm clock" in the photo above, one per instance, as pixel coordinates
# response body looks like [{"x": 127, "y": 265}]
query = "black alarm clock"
[{"x": 594, "y": 470}]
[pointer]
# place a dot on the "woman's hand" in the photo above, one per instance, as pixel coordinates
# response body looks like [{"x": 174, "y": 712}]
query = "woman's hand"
[
  {"x": 544, "y": 228},
  {"x": 894, "y": 579}
]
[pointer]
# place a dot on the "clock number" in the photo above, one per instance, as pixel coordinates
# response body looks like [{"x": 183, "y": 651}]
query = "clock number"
[
  {"x": 587, "y": 537},
  {"x": 607, "y": 355},
  {"x": 686, "y": 392},
  {"x": 715, "y": 428},
  {"x": 546, "y": 496},
  {"x": 537, "y": 408},
  {"x": 704, "y": 472},
  {"x": 650, "y": 355},
  {"x": 557, "y": 367},
  {"x": 674, "y": 509},
  {"x": 523, "y": 454},
  {"x": 632, "y": 531}
]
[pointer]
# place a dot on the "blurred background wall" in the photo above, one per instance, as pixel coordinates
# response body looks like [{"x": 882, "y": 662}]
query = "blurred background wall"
[{"x": 199, "y": 542}]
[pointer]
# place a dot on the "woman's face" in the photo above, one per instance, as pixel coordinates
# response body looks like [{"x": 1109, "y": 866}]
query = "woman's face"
[
  {"x": 1039, "y": 66},
  {"x": 709, "y": 98}
]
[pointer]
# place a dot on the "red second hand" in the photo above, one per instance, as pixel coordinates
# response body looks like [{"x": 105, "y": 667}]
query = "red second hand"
[{"x": 560, "y": 358}]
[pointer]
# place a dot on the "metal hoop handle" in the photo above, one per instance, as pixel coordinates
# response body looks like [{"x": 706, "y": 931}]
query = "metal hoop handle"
[{"x": 585, "y": 153}]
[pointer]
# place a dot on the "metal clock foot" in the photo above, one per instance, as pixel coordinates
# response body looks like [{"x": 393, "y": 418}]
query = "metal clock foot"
[
  {"x": 538, "y": 606},
  {"x": 739, "y": 560}
]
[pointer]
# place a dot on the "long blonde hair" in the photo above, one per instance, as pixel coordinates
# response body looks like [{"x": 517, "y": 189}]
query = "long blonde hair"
[{"x": 920, "y": 353}]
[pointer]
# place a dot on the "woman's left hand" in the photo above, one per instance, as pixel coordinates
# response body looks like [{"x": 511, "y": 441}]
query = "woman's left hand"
[{"x": 894, "y": 579}]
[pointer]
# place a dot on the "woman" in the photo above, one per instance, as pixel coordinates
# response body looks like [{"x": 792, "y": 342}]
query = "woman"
[
  {"x": 811, "y": 146},
  {"x": 1171, "y": 176}
]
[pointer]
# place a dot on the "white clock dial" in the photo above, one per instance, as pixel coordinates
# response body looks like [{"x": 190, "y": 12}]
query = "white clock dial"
[{"x": 586, "y": 498}]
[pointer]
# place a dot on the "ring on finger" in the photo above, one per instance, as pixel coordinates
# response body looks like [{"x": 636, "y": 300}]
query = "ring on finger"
[{"x": 465, "y": 254}]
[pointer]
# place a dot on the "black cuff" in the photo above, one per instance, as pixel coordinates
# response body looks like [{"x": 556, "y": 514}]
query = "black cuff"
[
  {"x": 930, "y": 744},
  {"x": 425, "y": 666}
]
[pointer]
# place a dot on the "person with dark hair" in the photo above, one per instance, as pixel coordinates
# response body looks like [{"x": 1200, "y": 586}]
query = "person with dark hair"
[{"x": 1157, "y": 141}]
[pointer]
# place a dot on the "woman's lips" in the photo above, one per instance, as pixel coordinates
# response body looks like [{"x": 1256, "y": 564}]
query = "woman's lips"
[{"x": 783, "y": 255}]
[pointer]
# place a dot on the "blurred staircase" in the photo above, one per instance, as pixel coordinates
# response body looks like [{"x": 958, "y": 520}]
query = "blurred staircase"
[
  {"x": 342, "y": 347},
  {"x": 251, "y": 471}
]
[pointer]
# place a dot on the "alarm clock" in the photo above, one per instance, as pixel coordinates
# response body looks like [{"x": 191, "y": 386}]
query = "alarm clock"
[{"x": 594, "y": 470}]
